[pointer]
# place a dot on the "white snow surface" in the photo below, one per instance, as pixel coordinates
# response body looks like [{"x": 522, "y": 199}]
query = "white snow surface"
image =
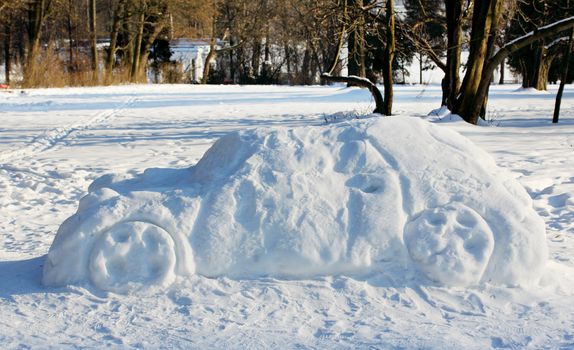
[{"x": 56, "y": 142}]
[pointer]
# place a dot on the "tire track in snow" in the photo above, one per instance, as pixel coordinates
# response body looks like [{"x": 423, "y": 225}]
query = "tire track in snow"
[{"x": 50, "y": 138}]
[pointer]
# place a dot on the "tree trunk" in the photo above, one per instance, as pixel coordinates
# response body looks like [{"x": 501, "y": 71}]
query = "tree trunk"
[
  {"x": 451, "y": 86},
  {"x": 533, "y": 65},
  {"x": 256, "y": 58},
  {"x": 490, "y": 77},
  {"x": 231, "y": 62},
  {"x": 19, "y": 46},
  {"x": 111, "y": 57},
  {"x": 240, "y": 65},
  {"x": 530, "y": 63},
  {"x": 352, "y": 65},
  {"x": 7, "y": 53},
  {"x": 315, "y": 63},
  {"x": 356, "y": 45},
  {"x": 541, "y": 73},
  {"x": 210, "y": 57},
  {"x": 36, "y": 15},
  {"x": 212, "y": 53},
  {"x": 93, "y": 39},
  {"x": 389, "y": 57},
  {"x": 145, "y": 48},
  {"x": 127, "y": 29},
  {"x": 484, "y": 21},
  {"x": 536, "y": 68},
  {"x": 420, "y": 68},
  {"x": 306, "y": 65},
  {"x": 288, "y": 62},
  {"x": 501, "y": 80},
  {"x": 267, "y": 50},
  {"x": 70, "y": 29},
  {"x": 340, "y": 42},
  {"x": 563, "y": 79},
  {"x": 135, "y": 69},
  {"x": 361, "y": 49}
]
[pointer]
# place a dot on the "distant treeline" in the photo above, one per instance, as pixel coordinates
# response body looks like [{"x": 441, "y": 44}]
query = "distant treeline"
[{"x": 92, "y": 42}]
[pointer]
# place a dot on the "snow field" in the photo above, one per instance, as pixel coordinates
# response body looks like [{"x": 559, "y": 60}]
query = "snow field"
[{"x": 170, "y": 127}]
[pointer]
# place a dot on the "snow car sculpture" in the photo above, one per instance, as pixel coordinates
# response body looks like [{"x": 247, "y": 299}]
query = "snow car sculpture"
[{"x": 398, "y": 196}]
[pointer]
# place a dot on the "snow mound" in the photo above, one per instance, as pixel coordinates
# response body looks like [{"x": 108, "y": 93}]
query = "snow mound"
[
  {"x": 398, "y": 196},
  {"x": 531, "y": 91}
]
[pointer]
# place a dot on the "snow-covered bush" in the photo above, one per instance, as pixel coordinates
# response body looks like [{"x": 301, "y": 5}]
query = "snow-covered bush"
[{"x": 398, "y": 196}]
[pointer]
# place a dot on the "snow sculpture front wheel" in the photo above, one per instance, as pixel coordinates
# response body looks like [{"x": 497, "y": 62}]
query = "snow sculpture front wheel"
[
  {"x": 131, "y": 255},
  {"x": 452, "y": 245}
]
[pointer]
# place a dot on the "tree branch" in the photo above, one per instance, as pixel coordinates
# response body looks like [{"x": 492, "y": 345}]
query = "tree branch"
[
  {"x": 529, "y": 38},
  {"x": 420, "y": 42},
  {"x": 362, "y": 82}
]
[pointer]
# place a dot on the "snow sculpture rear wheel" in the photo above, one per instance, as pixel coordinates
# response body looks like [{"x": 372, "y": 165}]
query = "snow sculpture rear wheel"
[{"x": 131, "y": 255}]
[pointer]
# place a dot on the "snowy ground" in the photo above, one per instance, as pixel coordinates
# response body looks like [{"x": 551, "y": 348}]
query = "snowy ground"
[{"x": 54, "y": 143}]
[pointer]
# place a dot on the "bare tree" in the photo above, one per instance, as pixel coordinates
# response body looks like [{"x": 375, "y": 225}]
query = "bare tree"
[
  {"x": 38, "y": 12},
  {"x": 7, "y": 17},
  {"x": 480, "y": 66},
  {"x": 117, "y": 13},
  {"x": 383, "y": 104}
]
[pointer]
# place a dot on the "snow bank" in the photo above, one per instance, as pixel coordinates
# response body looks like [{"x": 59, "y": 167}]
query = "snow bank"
[
  {"x": 532, "y": 91},
  {"x": 398, "y": 196}
]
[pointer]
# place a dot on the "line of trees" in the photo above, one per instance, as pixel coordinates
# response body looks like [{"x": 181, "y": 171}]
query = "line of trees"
[
  {"x": 64, "y": 35},
  {"x": 292, "y": 42},
  {"x": 491, "y": 38},
  {"x": 108, "y": 41}
]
